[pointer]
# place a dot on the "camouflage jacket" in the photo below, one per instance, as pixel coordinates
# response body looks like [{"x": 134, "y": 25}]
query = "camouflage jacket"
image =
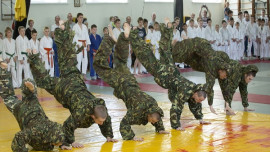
[
  {"x": 36, "y": 129},
  {"x": 138, "y": 103},
  {"x": 70, "y": 89},
  {"x": 167, "y": 75},
  {"x": 235, "y": 80},
  {"x": 199, "y": 54}
]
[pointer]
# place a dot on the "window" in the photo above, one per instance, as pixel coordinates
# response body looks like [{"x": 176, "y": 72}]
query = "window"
[
  {"x": 47, "y": 1},
  {"x": 159, "y": 1},
  {"x": 206, "y": 1},
  {"x": 106, "y": 1}
]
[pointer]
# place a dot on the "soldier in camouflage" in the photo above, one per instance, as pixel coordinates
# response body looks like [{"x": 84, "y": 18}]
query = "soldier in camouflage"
[
  {"x": 180, "y": 90},
  {"x": 141, "y": 108},
  {"x": 198, "y": 53},
  {"x": 36, "y": 129},
  {"x": 71, "y": 91},
  {"x": 240, "y": 76}
]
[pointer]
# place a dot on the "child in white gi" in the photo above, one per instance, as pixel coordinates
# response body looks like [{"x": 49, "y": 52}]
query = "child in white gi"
[
  {"x": 9, "y": 55},
  {"x": 47, "y": 52},
  {"x": 22, "y": 49}
]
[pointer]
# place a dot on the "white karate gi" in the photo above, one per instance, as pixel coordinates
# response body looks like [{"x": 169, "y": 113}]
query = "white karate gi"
[
  {"x": 191, "y": 32},
  {"x": 47, "y": 53},
  {"x": 22, "y": 45},
  {"x": 225, "y": 39},
  {"x": 252, "y": 32},
  {"x": 156, "y": 39},
  {"x": 209, "y": 34},
  {"x": 82, "y": 38},
  {"x": 9, "y": 52},
  {"x": 200, "y": 32},
  {"x": 264, "y": 47}
]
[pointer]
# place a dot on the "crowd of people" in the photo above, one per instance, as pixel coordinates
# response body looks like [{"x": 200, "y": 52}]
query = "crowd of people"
[{"x": 57, "y": 63}]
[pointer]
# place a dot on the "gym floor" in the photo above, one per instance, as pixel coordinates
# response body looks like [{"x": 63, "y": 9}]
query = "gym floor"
[{"x": 244, "y": 132}]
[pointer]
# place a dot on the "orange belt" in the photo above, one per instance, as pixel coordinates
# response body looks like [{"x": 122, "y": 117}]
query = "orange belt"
[
  {"x": 48, "y": 54},
  {"x": 84, "y": 44}
]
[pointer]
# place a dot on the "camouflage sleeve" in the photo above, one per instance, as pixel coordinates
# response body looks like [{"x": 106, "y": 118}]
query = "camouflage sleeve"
[
  {"x": 20, "y": 140},
  {"x": 69, "y": 128},
  {"x": 121, "y": 54},
  {"x": 210, "y": 81},
  {"x": 244, "y": 94},
  {"x": 144, "y": 53},
  {"x": 159, "y": 125},
  {"x": 125, "y": 128},
  {"x": 165, "y": 45},
  {"x": 41, "y": 75},
  {"x": 106, "y": 128},
  {"x": 196, "y": 109},
  {"x": 101, "y": 64}
]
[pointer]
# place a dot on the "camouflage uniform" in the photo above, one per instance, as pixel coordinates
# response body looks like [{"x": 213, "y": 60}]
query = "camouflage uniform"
[
  {"x": 70, "y": 89},
  {"x": 138, "y": 103},
  {"x": 199, "y": 54},
  {"x": 180, "y": 90},
  {"x": 235, "y": 80},
  {"x": 36, "y": 129}
]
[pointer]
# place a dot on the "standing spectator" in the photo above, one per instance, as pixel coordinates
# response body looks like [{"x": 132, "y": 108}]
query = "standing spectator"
[
  {"x": 112, "y": 19},
  {"x": 56, "y": 25},
  {"x": 192, "y": 17},
  {"x": 205, "y": 17},
  {"x": 153, "y": 20},
  {"x": 47, "y": 52},
  {"x": 264, "y": 17},
  {"x": 156, "y": 39},
  {"x": 263, "y": 32},
  {"x": 145, "y": 25},
  {"x": 9, "y": 55},
  {"x": 230, "y": 15},
  {"x": 191, "y": 29},
  {"x": 95, "y": 43},
  {"x": 117, "y": 30},
  {"x": 128, "y": 20},
  {"x": 142, "y": 35},
  {"x": 82, "y": 39},
  {"x": 70, "y": 20},
  {"x": 217, "y": 38},
  {"x": 246, "y": 21},
  {"x": 225, "y": 37},
  {"x": 29, "y": 30},
  {"x": 200, "y": 31},
  {"x": 184, "y": 33},
  {"x": 238, "y": 35},
  {"x": 226, "y": 11},
  {"x": 209, "y": 32},
  {"x": 22, "y": 49},
  {"x": 232, "y": 48},
  {"x": 252, "y": 32}
]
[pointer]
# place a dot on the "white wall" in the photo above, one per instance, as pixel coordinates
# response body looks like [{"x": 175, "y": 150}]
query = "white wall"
[{"x": 43, "y": 14}]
